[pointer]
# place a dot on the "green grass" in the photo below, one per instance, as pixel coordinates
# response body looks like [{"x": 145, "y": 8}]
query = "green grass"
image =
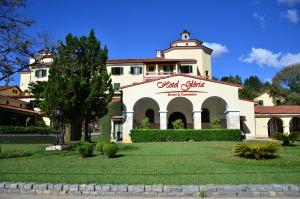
[{"x": 152, "y": 163}]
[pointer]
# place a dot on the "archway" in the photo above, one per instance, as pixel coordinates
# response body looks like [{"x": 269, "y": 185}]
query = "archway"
[
  {"x": 175, "y": 116},
  {"x": 180, "y": 108},
  {"x": 275, "y": 125},
  {"x": 146, "y": 107},
  {"x": 213, "y": 108},
  {"x": 295, "y": 124}
]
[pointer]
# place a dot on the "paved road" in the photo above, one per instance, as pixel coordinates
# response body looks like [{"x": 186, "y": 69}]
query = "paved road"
[{"x": 28, "y": 196}]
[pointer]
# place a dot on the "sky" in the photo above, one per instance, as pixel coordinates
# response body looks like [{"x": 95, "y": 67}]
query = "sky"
[{"x": 249, "y": 37}]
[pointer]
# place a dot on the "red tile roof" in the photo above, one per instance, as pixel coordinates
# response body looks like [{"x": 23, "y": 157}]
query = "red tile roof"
[
  {"x": 148, "y": 60},
  {"x": 22, "y": 110},
  {"x": 277, "y": 109}
]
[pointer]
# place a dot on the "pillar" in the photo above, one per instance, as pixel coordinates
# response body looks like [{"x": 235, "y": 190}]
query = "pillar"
[
  {"x": 286, "y": 124},
  {"x": 197, "y": 119},
  {"x": 163, "y": 115},
  {"x": 156, "y": 69},
  {"x": 176, "y": 68},
  {"x": 233, "y": 119},
  {"x": 127, "y": 126}
]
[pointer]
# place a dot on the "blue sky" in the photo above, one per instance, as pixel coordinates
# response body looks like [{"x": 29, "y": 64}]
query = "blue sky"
[{"x": 250, "y": 37}]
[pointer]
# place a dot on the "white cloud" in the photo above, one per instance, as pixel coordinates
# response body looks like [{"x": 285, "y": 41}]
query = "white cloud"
[
  {"x": 218, "y": 49},
  {"x": 261, "y": 19},
  {"x": 289, "y": 2},
  {"x": 264, "y": 57},
  {"x": 291, "y": 15}
]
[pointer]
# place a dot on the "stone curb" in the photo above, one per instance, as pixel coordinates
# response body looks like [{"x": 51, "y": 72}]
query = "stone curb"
[{"x": 159, "y": 190}]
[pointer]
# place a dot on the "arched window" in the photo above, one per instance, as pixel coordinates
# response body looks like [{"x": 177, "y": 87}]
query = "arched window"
[
  {"x": 205, "y": 115},
  {"x": 295, "y": 124},
  {"x": 275, "y": 125},
  {"x": 150, "y": 115}
]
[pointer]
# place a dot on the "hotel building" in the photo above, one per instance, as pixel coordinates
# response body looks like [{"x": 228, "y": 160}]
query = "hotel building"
[{"x": 178, "y": 84}]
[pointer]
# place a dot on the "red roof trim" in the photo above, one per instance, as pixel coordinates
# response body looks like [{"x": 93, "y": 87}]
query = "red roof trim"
[
  {"x": 147, "y": 60},
  {"x": 19, "y": 109},
  {"x": 190, "y": 76},
  {"x": 277, "y": 109}
]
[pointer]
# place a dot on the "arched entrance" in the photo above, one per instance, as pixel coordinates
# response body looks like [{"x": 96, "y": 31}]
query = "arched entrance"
[
  {"x": 295, "y": 124},
  {"x": 180, "y": 108},
  {"x": 275, "y": 125},
  {"x": 175, "y": 116},
  {"x": 213, "y": 108},
  {"x": 146, "y": 107}
]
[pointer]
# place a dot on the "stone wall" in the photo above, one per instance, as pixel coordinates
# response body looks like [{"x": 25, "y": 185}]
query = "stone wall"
[{"x": 197, "y": 191}]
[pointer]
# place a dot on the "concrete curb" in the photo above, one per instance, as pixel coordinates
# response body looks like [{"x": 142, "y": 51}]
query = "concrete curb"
[{"x": 157, "y": 190}]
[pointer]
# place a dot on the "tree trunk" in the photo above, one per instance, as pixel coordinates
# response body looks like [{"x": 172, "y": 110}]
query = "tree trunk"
[
  {"x": 87, "y": 136},
  {"x": 76, "y": 130}
]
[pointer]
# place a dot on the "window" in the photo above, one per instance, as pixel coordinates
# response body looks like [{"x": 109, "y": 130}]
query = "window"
[
  {"x": 117, "y": 71},
  {"x": 150, "y": 114},
  {"x": 41, "y": 73},
  {"x": 168, "y": 69},
  {"x": 21, "y": 105},
  {"x": 260, "y": 102},
  {"x": 116, "y": 86},
  {"x": 135, "y": 70},
  {"x": 7, "y": 102},
  {"x": 14, "y": 91},
  {"x": 186, "y": 69},
  {"x": 151, "y": 69}
]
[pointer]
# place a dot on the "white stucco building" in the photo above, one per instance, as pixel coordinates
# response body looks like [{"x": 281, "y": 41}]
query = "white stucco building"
[{"x": 178, "y": 84}]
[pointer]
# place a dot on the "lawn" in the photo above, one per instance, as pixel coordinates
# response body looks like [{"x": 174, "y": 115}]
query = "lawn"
[{"x": 152, "y": 163}]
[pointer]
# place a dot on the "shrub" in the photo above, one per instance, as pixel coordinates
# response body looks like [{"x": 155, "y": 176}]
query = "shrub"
[
  {"x": 145, "y": 123},
  {"x": 99, "y": 146},
  {"x": 27, "y": 130},
  {"x": 178, "y": 124},
  {"x": 216, "y": 123},
  {"x": 257, "y": 150},
  {"x": 180, "y": 135},
  {"x": 14, "y": 154},
  {"x": 286, "y": 138},
  {"x": 110, "y": 149},
  {"x": 85, "y": 149}
]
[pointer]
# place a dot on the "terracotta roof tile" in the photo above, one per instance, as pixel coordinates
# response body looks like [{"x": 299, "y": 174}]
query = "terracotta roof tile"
[
  {"x": 277, "y": 109},
  {"x": 147, "y": 60}
]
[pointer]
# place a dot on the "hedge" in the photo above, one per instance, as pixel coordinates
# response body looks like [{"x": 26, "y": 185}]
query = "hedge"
[
  {"x": 179, "y": 135},
  {"x": 27, "y": 130}
]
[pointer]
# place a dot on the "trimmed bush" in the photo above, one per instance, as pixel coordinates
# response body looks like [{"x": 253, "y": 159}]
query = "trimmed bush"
[
  {"x": 110, "y": 149},
  {"x": 14, "y": 154},
  {"x": 85, "y": 149},
  {"x": 286, "y": 138},
  {"x": 27, "y": 130},
  {"x": 257, "y": 150},
  {"x": 178, "y": 124},
  {"x": 99, "y": 146},
  {"x": 180, "y": 135}
]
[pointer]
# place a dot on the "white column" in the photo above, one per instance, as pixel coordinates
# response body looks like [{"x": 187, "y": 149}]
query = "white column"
[
  {"x": 233, "y": 119},
  {"x": 176, "y": 68},
  {"x": 163, "y": 119},
  {"x": 112, "y": 136},
  {"x": 286, "y": 124},
  {"x": 197, "y": 119},
  {"x": 127, "y": 126},
  {"x": 156, "y": 69}
]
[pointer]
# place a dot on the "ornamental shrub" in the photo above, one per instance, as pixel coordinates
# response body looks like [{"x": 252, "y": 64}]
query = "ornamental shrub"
[
  {"x": 178, "y": 124},
  {"x": 216, "y": 123},
  {"x": 181, "y": 135},
  {"x": 286, "y": 138},
  {"x": 110, "y": 149},
  {"x": 257, "y": 150},
  {"x": 27, "y": 130},
  {"x": 85, "y": 149},
  {"x": 145, "y": 124},
  {"x": 99, "y": 146}
]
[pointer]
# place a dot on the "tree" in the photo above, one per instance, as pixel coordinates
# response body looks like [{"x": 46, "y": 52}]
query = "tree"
[
  {"x": 232, "y": 79},
  {"x": 78, "y": 82},
  {"x": 145, "y": 124},
  {"x": 15, "y": 45},
  {"x": 286, "y": 85},
  {"x": 247, "y": 93},
  {"x": 178, "y": 124},
  {"x": 254, "y": 83}
]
